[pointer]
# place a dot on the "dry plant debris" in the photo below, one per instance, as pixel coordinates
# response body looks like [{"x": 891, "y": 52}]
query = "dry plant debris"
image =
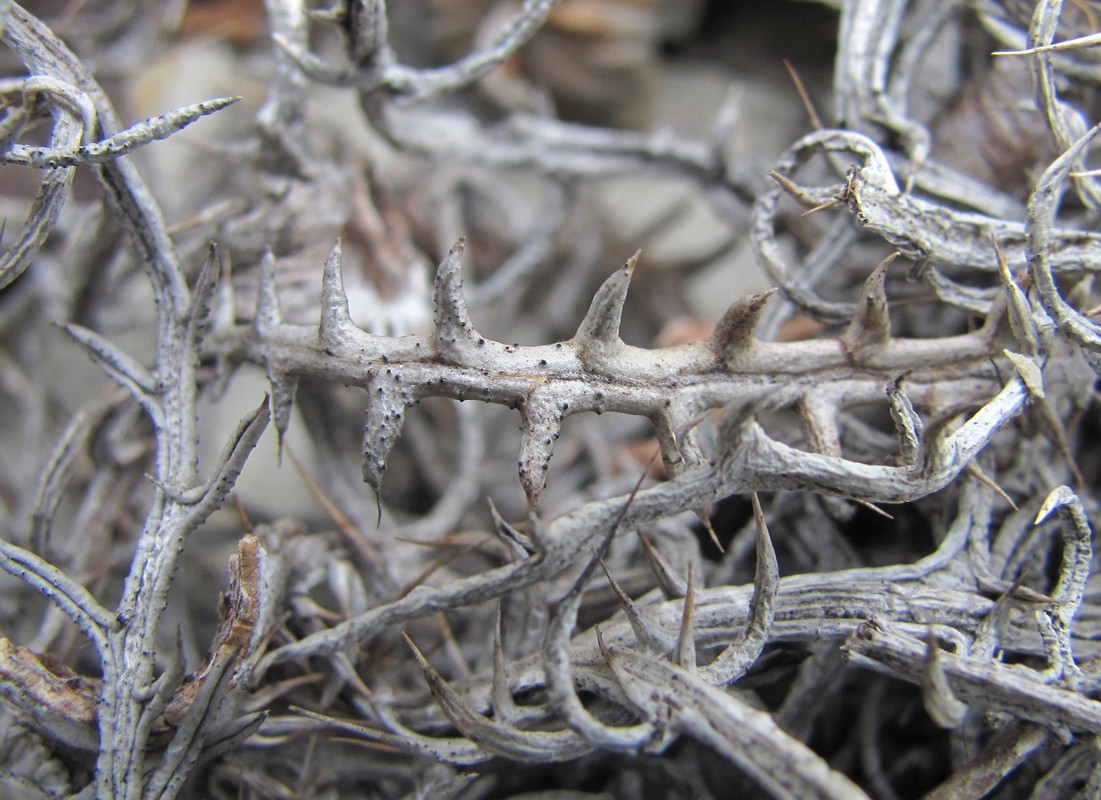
[{"x": 864, "y": 566}]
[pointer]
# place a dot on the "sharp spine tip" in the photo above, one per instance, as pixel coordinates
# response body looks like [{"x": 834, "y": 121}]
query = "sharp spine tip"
[
  {"x": 601, "y": 323},
  {"x": 268, "y": 315},
  {"x": 542, "y": 424},
  {"x": 734, "y": 330},
  {"x": 335, "y": 315},
  {"x": 870, "y": 329},
  {"x": 454, "y": 331}
]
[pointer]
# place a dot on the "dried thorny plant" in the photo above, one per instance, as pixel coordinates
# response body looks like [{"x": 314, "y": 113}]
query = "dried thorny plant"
[{"x": 862, "y": 566}]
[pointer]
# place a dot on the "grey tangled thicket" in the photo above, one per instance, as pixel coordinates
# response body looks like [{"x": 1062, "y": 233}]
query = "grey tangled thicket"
[{"x": 836, "y": 544}]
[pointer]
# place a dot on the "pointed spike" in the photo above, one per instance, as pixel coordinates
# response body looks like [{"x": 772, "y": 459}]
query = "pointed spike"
[
  {"x": 334, "y": 299},
  {"x": 537, "y": 531},
  {"x": 974, "y": 469},
  {"x": 634, "y": 615},
  {"x": 268, "y": 316},
  {"x": 1030, "y": 372},
  {"x": 453, "y": 327},
  {"x": 686, "y": 641},
  {"x": 704, "y": 515},
  {"x": 871, "y": 327},
  {"x": 226, "y": 305},
  {"x": 385, "y": 416},
  {"x": 671, "y": 585},
  {"x": 671, "y": 456},
  {"x": 767, "y": 573},
  {"x": 284, "y": 387},
  {"x": 1058, "y": 497},
  {"x": 497, "y": 736},
  {"x": 601, "y": 323},
  {"x": 736, "y": 660},
  {"x": 541, "y": 427},
  {"x": 518, "y": 542},
  {"x": 624, "y": 598},
  {"x": 734, "y": 330},
  {"x": 801, "y": 195},
  {"x": 600, "y": 643},
  {"x": 1018, "y": 309},
  {"x": 870, "y": 506},
  {"x": 203, "y": 297},
  {"x": 417, "y": 654}
]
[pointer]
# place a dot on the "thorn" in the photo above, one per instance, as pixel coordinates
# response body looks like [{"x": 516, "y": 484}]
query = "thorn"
[
  {"x": 334, "y": 299},
  {"x": 1018, "y": 309},
  {"x": 385, "y": 417},
  {"x": 604, "y": 651},
  {"x": 417, "y": 654},
  {"x": 734, "y": 330},
  {"x": 871, "y": 327},
  {"x": 284, "y": 387},
  {"x": 704, "y": 516},
  {"x": 737, "y": 658},
  {"x": 601, "y": 324},
  {"x": 1029, "y": 371},
  {"x": 1018, "y": 591},
  {"x": 624, "y": 598},
  {"x": 203, "y": 296},
  {"x": 634, "y": 616},
  {"x": 226, "y": 303},
  {"x": 1059, "y": 496},
  {"x": 537, "y": 531},
  {"x": 507, "y": 533},
  {"x": 668, "y": 581},
  {"x": 268, "y": 316},
  {"x": 686, "y": 642},
  {"x": 801, "y": 195},
  {"x": 975, "y": 470},
  {"x": 804, "y": 96},
  {"x": 453, "y": 327},
  {"x": 871, "y": 507},
  {"x": 541, "y": 428},
  {"x": 1090, "y": 40},
  {"x": 831, "y": 203}
]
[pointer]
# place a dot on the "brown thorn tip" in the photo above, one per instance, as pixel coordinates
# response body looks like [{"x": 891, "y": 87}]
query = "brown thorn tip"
[
  {"x": 624, "y": 598},
  {"x": 416, "y": 650},
  {"x": 705, "y": 519},
  {"x": 604, "y": 651}
]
